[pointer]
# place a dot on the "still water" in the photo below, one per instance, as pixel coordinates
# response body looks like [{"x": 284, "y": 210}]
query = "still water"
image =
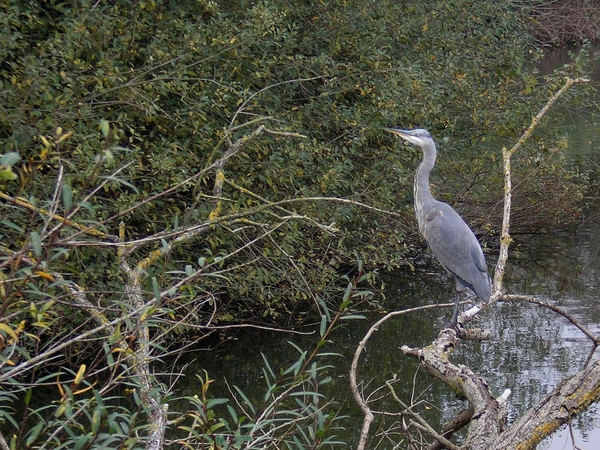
[{"x": 532, "y": 349}]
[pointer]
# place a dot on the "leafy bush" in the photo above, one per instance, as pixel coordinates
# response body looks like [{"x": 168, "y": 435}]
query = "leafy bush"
[{"x": 170, "y": 167}]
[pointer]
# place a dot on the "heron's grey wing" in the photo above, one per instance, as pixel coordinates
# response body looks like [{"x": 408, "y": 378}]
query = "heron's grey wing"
[{"x": 456, "y": 247}]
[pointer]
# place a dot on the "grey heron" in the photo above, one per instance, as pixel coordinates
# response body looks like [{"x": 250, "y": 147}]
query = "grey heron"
[{"x": 449, "y": 237}]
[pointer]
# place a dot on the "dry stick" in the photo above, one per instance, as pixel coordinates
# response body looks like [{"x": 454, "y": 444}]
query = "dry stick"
[
  {"x": 420, "y": 422},
  {"x": 3, "y": 444},
  {"x": 505, "y": 238},
  {"x": 43, "y": 357},
  {"x": 24, "y": 203},
  {"x": 455, "y": 424}
]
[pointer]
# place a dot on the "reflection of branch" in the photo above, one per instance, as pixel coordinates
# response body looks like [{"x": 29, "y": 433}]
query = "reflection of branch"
[
  {"x": 253, "y": 326},
  {"x": 529, "y": 299},
  {"x": 562, "y": 312}
]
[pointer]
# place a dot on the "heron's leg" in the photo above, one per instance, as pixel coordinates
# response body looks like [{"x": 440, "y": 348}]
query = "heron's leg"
[{"x": 454, "y": 319}]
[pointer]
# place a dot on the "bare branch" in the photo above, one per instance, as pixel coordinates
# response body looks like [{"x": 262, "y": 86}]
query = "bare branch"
[
  {"x": 362, "y": 403},
  {"x": 505, "y": 238},
  {"x": 421, "y": 424},
  {"x": 24, "y": 203}
]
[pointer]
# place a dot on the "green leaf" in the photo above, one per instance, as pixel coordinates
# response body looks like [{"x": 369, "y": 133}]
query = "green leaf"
[
  {"x": 121, "y": 181},
  {"x": 15, "y": 227},
  {"x": 324, "y": 306},
  {"x": 233, "y": 414},
  {"x": 323, "y": 328},
  {"x": 96, "y": 420},
  {"x": 268, "y": 366},
  {"x": 36, "y": 243},
  {"x": 105, "y": 128},
  {"x": 348, "y": 292},
  {"x": 155, "y": 288},
  {"x": 9, "y": 159},
  {"x": 345, "y": 304},
  {"x": 325, "y": 380},
  {"x": 352, "y": 316},
  {"x": 67, "y": 194},
  {"x": 216, "y": 401},
  {"x": 8, "y": 175},
  {"x": 362, "y": 294},
  {"x": 246, "y": 401},
  {"x": 34, "y": 433},
  {"x": 306, "y": 393}
]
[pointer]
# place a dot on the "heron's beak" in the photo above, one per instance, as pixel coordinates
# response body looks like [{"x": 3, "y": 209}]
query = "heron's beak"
[{"x": 397, "y": 131}]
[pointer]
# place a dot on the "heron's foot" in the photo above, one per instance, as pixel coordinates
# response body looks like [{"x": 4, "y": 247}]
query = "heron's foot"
[
  {"x": 451, "y": 324},
  {"x": 454, "y": 325}
]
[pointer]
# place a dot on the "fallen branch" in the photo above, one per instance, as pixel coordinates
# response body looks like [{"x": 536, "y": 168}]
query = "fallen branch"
[
  {"x": 567, "y": 400},
  {"x": 362, "y": 403}
]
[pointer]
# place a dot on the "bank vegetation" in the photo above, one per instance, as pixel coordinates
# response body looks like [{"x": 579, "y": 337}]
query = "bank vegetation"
[{"x": 171, "y": 170}]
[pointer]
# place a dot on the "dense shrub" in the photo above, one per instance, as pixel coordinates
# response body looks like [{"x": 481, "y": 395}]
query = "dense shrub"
[{"x": 232, "y": 154}]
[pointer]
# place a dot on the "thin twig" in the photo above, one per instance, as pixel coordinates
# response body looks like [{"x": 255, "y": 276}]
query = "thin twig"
[{"x": 423, "y": 425}]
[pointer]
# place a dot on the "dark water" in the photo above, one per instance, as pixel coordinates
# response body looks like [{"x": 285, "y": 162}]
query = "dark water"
[{"x": 531, "y": 351}]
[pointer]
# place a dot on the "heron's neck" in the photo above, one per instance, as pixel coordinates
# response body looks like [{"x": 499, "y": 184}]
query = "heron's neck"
[{"x": 423, "y": 197}]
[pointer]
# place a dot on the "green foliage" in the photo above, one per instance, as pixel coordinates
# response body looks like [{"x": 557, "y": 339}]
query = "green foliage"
[
  {"x": 175, "y": 84},
  {"x": 294, "y": 412},
  {"x": 170, "y": 167}
]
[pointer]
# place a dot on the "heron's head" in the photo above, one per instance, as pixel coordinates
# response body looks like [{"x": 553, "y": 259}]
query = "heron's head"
[{"x": 417, "y": 136}]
